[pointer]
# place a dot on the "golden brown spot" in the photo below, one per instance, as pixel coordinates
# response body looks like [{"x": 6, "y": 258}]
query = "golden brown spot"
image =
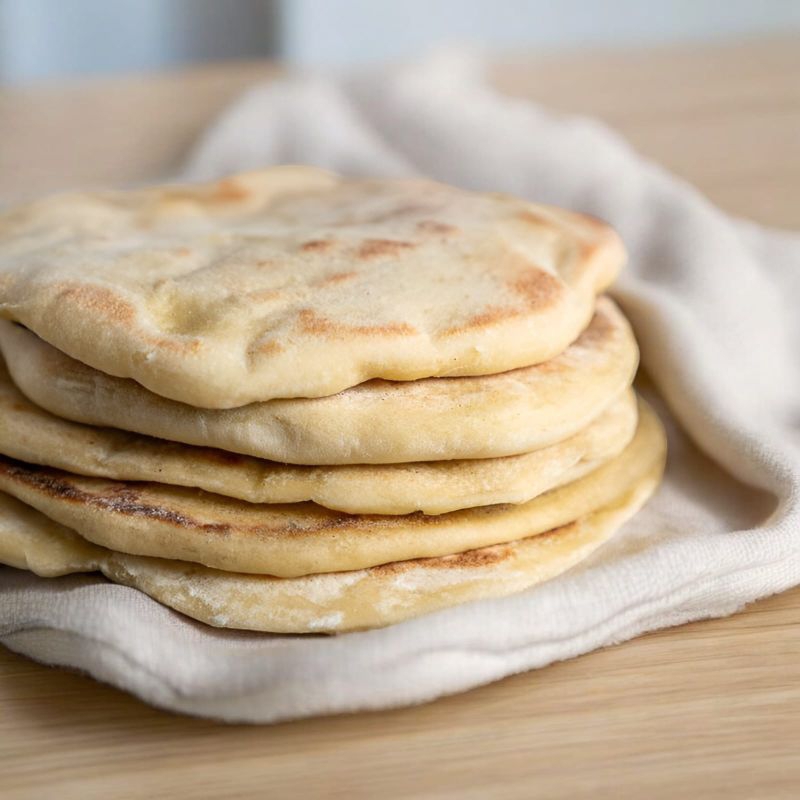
[
  {"x": 337, "y": 277},
  {"x": 533, "y": 218},
  {"x": 588, "y": 249},
  {"x": 539, "y": 288},
  {"x": 440, "y": 228},
  {"x": 484, "y": 557},
  {"x": 223, "y": 192},
  {"x": 270, "y": 347},
  {"x": 228, "y": 190},
  {"x": 182, "y": 252},
  {"x": 379, "y": 248},
  {"x": 317, "y": 245},
  {"x": 322, "y": 326},
  {"x": 491, "y": 316},
  {"x": 311, "y": 323},
  {"x": 98, "y": 300},
  {"x": 471, "y": 559},
  {"x": 175, "y": 345}
]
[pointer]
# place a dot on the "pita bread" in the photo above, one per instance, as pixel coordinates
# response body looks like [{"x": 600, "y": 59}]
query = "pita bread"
[
  {"x": 292, "y": 282},
  {"x": 330, "y": 603},
  {"x": 303, "y": 539},
  {"x": 28, "y": 433},
  {"x": 375, "y": 423}
]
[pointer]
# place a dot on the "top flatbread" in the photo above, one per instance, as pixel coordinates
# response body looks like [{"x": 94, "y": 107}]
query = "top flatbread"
[{"x": 292, "y": 282}]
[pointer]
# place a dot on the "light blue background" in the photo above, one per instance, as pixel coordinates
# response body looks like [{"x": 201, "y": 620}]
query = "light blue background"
[{"x": 46, "y": 39}]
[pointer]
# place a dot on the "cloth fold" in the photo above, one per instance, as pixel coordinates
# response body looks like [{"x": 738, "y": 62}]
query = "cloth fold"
[{"x": 713, "y": 304}]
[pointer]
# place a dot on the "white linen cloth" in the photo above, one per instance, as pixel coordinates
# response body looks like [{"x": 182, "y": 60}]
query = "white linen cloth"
[{"x": 713, "y": 302}]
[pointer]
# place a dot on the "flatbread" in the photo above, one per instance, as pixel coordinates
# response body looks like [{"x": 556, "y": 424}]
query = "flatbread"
[
  {"x": 292, "y": 282},
  {"x": 378, "y": 422},
  {"x": 28, "y": 433},
  {"x": 303, "y": 539},
  {"x": 331, "y": 603}
]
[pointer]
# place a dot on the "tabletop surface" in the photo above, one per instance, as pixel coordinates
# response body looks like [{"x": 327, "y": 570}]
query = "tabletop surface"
[{"x": 710, "y": 709}]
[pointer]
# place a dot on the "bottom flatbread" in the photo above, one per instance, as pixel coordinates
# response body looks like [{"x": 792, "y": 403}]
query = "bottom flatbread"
[{"x": 328, "y": 603}]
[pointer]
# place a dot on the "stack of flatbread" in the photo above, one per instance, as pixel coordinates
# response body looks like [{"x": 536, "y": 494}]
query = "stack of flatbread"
[{"x": 292, "y": 402}]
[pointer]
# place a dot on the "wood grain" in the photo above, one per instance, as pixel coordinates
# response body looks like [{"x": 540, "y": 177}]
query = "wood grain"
[
  {"x": 707, "y": 710},
  {"x": 110, "y": 131}
]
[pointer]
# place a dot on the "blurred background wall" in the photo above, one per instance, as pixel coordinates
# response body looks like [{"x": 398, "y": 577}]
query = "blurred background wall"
[
  {"x": 49, "y": 39},
  {"x": 41, "y": 39}
]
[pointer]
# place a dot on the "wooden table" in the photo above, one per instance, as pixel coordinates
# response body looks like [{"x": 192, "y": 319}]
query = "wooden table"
[{"x": 709, "y": 710}]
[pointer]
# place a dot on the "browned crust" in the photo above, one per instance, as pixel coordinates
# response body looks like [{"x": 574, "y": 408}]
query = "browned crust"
[
  {"x": 311, "y": 322},
  {"x": 104, "y": 302},
  {"x": 121, "y": 499},
  {"x": 267, "y": 348},
  {"x": 470, "y": 559},
  {"x": 491, "y": 316},
  {"x": 99, "y": 300},
  {"x": 317, "y": 245},
  {"x": 538, "y": 288},
  {"x": 535, "y": 286},
  {"x": 227, "y": 190},
  {"x": 128, "y": 499},
  {"x": 336, "y": 277},
  {"x": 381, "y": 248}
]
